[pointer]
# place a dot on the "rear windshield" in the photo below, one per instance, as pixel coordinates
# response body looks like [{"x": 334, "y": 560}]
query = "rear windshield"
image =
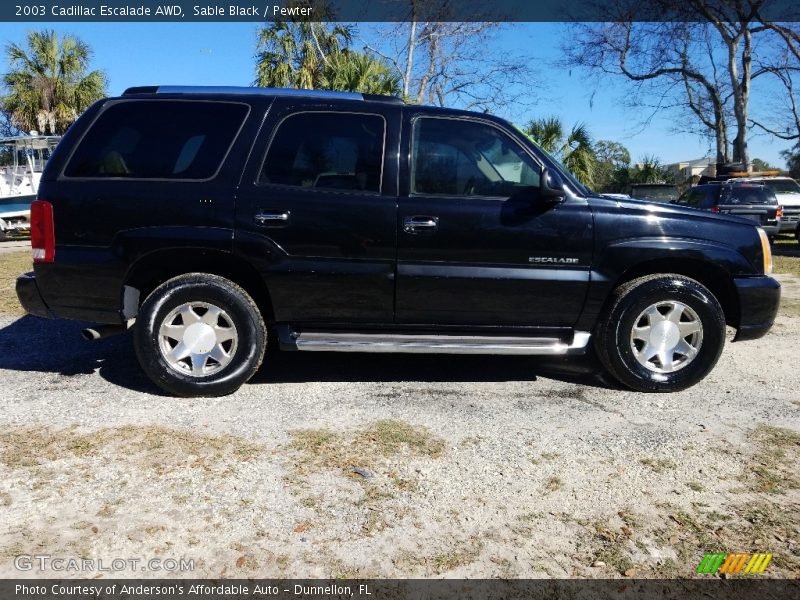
[
  {"x": 748, "y": 194},
  {"x": 158, "y": 139},
  {"x": 783, "y": 186},
  {"x": 646, "y": 192}
]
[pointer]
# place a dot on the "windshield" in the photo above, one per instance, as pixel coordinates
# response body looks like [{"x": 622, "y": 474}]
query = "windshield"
[
  {"x": 664, "y": 193},
  {"x": 782, "y": 186}
]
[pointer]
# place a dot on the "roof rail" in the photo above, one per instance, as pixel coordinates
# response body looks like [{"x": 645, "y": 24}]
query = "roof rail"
[{"x": 257, "y": 91}]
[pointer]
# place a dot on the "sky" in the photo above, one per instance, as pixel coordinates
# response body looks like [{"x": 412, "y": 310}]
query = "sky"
[{"x": 134, "y": 54}]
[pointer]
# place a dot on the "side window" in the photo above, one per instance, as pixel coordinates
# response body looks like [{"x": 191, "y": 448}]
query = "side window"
[
  {"x": 158, "y": 139},
  {"x": 326, "y": 150},
  {"x": 695, "y": 198},
  {"x": 710, "y": 199},
  {"x": 464, "y": 158}
]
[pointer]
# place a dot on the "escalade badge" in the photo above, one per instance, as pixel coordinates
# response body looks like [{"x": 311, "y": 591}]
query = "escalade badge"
[{"x": 552, "y": 260}]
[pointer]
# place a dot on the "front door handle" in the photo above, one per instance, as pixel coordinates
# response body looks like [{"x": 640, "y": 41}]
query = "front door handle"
[
  {"x": 420, "y": 224},
  {"x": 273, "y": 218}
]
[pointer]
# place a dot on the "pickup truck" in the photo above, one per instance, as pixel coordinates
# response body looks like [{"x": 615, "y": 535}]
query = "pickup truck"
[{"x": 206, "y": 218}]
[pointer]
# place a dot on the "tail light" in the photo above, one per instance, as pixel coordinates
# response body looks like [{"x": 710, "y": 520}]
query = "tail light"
[
  {"x": 715, "y": 209},
  {"x": 779, "y": 213},
  {"x": 43, "y": 237}
]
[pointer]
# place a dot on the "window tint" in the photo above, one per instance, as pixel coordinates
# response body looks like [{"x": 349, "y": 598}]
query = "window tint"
[
  {"x": 157, "y": 139},
  {"x": 748, "y": 194},
  {"x": 463, "y": 158},
  {"x": 695, "y": 198},
  {"x": 327, "y": 150}
]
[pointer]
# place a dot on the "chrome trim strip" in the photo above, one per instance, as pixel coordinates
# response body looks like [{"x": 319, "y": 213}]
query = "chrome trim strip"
[
  {"x": 435, "y": 344},
  {"x": 256, "y": 91}
]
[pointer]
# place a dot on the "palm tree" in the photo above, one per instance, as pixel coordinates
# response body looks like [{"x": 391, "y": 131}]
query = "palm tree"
[
  {"x": 360, "y": 72},
  {"x": 650, "y": 170},
  {"x": 574, "y": 150},
  {"x": 48, "y": 83},
  {"x": 295, "y": 53},
  {"x": 316, "y": 55}
]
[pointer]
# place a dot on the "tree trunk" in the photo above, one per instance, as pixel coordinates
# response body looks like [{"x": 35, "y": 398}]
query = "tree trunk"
[
  {"x": 741, "y": 95},
  {"x": 412, "y": 42}
]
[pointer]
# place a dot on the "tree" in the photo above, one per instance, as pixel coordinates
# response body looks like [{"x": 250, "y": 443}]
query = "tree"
[
  {"x": 295, "y": 53},
  {"x": 447, "y": 62},
  {"x": 696, "y": 57},
  {"x": 48, "y": 82},
  {"x": 760, "y": 165},
  {"x": 793, "y": 161},
  {"x": 360, "y": 72},
  {"x": 317, "y": 55},
  {"x": 611, "y": 166},
  {"x": 650, "y": 170},
  {"x": 574, "y": 150}
]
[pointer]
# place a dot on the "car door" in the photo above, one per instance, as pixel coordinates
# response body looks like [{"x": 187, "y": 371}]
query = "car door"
[
  {"x": 476, "y": 244},
  {"x": 317, "y": 207}
]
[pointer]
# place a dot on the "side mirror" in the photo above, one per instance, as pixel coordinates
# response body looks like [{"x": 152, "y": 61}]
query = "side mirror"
[{"x": 552, "y": 186}]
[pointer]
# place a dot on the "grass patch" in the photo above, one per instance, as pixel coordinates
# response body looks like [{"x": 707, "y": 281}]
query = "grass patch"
[
  {"x": 159, "y": 449},
  {"x": 553, "y": 484},
  {"x": 772, "y": 470},
  {"x": 442, "y": 562},
  {"x": 383, "y": 439},
  {"x": 695, "y": 486},
  {"x": 658, "y": 465},
  {"x": 611, "y": 548},
  {"x": 12, "y": 264},
  {"x": 786, "y": 264}
]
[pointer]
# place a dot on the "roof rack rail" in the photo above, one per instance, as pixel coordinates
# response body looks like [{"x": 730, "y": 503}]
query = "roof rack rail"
[{"x": 258, "y": 91}]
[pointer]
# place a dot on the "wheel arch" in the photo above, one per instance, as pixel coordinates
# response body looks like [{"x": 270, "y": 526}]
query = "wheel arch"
[
  {"x": 158, "y": 266},
  {"x": 711, "y": 275}
]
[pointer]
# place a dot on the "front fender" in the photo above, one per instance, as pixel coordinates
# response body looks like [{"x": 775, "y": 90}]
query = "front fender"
[{"x": 623, "y": 260}]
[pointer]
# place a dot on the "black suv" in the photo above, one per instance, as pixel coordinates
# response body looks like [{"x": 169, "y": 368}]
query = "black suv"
[
  {"x": 752, "y": 201},
  {"x": 204, "y": 217}
]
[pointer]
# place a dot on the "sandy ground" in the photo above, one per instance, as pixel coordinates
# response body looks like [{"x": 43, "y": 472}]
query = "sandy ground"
[{"x": 336, "y": 465}]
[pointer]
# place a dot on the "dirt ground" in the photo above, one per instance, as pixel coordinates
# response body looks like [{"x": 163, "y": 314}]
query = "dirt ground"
[{"x": 336, "y": 465}]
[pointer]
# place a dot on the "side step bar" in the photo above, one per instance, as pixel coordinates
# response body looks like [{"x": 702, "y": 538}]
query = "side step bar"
[{"x": 431, "y": 344}]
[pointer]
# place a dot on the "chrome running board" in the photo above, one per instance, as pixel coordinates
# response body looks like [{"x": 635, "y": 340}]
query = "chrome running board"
[{"x": 432, "y": 344}]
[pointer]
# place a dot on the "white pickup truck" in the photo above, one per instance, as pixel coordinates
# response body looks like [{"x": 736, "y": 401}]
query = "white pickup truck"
[{"x": 787, "y": 190}]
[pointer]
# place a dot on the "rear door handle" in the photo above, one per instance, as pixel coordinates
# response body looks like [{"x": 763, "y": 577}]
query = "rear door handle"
[
  {"x": 420, "y": 224},
  {"x": 273, "y": 218}
]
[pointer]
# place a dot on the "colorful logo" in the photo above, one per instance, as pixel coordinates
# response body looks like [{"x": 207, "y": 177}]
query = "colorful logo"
[{"x": 734, "y": 563}]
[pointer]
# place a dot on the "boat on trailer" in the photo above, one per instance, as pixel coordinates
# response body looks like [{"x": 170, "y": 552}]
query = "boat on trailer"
[{"x": 22, "y": 160}]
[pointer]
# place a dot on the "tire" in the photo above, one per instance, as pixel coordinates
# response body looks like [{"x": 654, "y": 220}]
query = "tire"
[
  {"x": 218, "y": 355},
  {"x": 686, "y": 352}
]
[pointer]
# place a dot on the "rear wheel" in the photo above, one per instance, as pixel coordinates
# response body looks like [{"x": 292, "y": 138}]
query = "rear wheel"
[
  {"x": 664, "y": 333},
  {"x": 199, "y": 335}
]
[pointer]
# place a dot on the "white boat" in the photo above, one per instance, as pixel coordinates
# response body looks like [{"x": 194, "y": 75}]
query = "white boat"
[{"x": 22, "y": 160}]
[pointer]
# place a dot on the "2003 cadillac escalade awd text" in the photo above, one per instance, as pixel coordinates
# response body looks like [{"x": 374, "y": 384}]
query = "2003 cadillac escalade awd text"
[{"x": 201, "y": 217}]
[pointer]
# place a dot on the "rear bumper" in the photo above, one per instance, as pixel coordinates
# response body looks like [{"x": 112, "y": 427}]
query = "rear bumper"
[
  {"x": 30, "y": 297},
  {"x": 759, "y": 298}
]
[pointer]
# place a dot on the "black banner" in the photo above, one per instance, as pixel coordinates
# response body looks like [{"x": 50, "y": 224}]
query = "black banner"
[
  {"x": 241, "y": 589},
  {"x": 386, "y": 10}
]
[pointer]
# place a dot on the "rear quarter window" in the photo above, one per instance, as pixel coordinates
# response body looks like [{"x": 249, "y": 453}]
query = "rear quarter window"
[{"x": 158, "y": 139}]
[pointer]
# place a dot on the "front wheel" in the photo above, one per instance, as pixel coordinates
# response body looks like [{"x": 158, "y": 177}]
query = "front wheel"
[
  {"x": 199, "y": 335},
  {"x": 663, "y": 333}
]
